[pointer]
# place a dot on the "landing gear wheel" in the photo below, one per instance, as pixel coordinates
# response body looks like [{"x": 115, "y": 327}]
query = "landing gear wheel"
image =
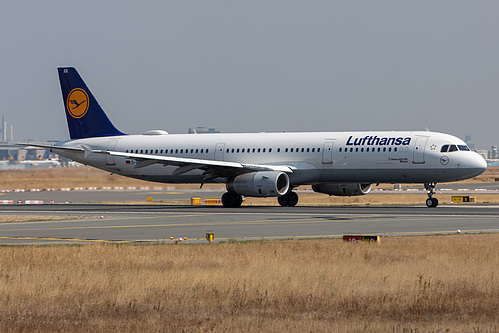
[
  {"x": 432, "y": 202},
  {"x": 289, "y": 199},
  {"x": 294, "y": 199},
  {"x": 231, "y": 200}
]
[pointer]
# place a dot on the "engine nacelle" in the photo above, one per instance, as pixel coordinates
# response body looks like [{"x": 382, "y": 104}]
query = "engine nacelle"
[
  {"x": 349, "y": 189},
  {"x": 260, "y": 184}
]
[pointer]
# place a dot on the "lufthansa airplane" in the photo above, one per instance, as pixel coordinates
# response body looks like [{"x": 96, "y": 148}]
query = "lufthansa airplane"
[{"x": 262, "y": 164}]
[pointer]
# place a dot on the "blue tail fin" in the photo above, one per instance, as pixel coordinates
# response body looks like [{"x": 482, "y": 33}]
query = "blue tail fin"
[{"x": 85, "y": 117}]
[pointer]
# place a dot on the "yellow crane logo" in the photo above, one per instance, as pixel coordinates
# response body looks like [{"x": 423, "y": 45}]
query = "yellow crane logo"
[{"x": 77, "y": 103}]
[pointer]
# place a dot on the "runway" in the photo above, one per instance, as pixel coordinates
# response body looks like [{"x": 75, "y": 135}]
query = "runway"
[{"x": 102, "y": 223}]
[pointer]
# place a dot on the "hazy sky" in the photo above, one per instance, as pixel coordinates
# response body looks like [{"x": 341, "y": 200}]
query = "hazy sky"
[{"x": 256, "y": 65}]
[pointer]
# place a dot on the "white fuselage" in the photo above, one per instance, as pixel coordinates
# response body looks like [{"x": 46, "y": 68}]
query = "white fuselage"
[{"x": 314, "y": 157}]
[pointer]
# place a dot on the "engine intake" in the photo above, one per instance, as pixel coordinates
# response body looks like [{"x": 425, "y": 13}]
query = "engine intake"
[
  {"x": 349, "y": 189},
  {"x": 260, "y": 184}
]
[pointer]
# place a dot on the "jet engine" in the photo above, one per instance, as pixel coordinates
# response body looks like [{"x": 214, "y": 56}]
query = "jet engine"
[
  {"x": 349, "y": 189},
  {"x": 260, "y": 184}
]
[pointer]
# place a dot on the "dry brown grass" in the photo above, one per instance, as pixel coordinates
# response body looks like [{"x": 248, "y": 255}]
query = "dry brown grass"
[
  {"x": 91, "y": 177},
  {"x": 63, "y": 177},
  {"x": 410, "y": 284},
  {"x": 29, "y": 218}
]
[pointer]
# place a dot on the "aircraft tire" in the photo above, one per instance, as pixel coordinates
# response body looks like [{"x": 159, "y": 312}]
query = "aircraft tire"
[
  {"x": 432, "y": 202},
  {"x": 294, "y": 199},
  {"x": 289, "y": 199},
  {"x": 231, "y": 200}
]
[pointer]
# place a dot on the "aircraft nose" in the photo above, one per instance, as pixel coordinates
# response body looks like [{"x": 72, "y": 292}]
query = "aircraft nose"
[{"x": 479, "y": 163}]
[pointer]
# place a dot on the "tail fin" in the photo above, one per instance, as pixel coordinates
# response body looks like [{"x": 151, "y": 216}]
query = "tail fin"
[{"x": 85, "y": 117}]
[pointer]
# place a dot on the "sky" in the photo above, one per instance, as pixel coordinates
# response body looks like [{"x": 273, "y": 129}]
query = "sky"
[{"x": 256, "y": 66}]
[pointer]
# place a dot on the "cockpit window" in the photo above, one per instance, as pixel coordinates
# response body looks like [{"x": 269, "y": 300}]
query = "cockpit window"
[{"x": 450, "y": 148}]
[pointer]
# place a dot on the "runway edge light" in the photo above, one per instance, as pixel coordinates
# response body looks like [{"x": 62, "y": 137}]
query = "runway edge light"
[{"x": 210, "y": 237}]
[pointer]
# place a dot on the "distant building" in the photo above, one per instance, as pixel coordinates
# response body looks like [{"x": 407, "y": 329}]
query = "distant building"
[
  {"x": 6, "y": 132},
  {"x": 493, "y": 153},
  {"x": 203, "y": 130},
  {"x": 483, "y": 152},
  {"x": 468, "y": 141}
]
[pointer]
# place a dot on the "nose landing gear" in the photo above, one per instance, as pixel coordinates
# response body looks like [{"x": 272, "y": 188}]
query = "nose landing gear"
[{"x": 431, "y": 201}]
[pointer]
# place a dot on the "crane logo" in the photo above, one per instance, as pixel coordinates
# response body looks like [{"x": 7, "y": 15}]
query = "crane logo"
[{"x": 77, "y": 103}]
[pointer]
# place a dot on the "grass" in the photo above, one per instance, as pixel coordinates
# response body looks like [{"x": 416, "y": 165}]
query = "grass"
[
  {"x": 403, "y": 284},
  {"x": 32, "y": 218},
  {"x": 91, "y": 177}
]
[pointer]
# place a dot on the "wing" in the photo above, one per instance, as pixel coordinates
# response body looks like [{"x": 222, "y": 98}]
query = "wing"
[{"x": 212, "y": 169}]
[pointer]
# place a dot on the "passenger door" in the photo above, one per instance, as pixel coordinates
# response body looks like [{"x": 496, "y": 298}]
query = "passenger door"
[
  {"x": 219, "y": 152},
  {"x": 327, "y": 152},
  {"x": 419, "y": 148}
]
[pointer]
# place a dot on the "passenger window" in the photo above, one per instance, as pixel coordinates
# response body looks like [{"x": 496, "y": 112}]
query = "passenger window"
[
  {"x": 318, "y": 150},
  {"x": 313, "y": 150},
  {"x": 286, "y": 150},
  {"x": 278, "y": 150},
  {"x": 444, "y": 148},
  {"x": 367, "y": 149},
  {"x": 361, "y": 150},
  {"x": 264, "y": 150},
  {"x": 356, "y": 150},
  {"x": 270, "y": 150},
  {"x": 176, "y": 151},
  {"x": 197, "y": 151},
  {"x": 303, "y": 150},
  {"x": 351, "y": 149},
  {"x": 258, "y": 150},
  {"x": 340, "y": 150},
  {"x": 395, "y": 149},
  {"x": 207, "y": 151},
  {"x": 202, "y": 150},
  {"x": 291, "y": 150},
  {"x": 242, "y": 151},
  {"x": 452, "y": 148},
  {"x": 237, "y": 151},
  {"x": 227, "y": 150}
]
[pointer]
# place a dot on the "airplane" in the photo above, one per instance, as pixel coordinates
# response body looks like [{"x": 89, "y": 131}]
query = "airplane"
[{"x": 262, "y": 164}]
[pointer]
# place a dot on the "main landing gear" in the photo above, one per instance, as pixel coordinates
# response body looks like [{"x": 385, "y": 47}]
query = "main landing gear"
[
  {"x": 290, "y": 199},
  {"x": 232, "y": 200},
  {"x": 431, "y": 201}
]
